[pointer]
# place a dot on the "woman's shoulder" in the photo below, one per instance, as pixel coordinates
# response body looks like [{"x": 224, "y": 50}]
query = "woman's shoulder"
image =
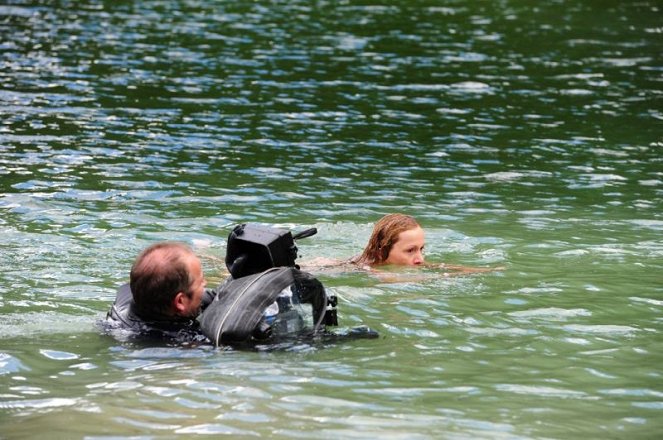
[
  {"x": 333, "y": 265},
  {"x": 323, "y": 262}
]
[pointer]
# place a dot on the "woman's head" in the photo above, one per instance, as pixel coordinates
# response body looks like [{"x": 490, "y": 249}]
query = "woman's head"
[{"x": 396, "y": 239}]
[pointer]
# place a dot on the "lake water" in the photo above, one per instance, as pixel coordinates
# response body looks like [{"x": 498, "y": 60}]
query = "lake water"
[{"x": 520, "y": 134}]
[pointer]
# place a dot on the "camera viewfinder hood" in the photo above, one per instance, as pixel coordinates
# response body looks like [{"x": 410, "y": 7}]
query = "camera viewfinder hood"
[{"x": 254, "y": 248}]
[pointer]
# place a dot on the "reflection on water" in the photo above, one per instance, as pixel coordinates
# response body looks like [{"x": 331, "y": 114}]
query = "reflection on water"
[{"x": 520, "y": 136}]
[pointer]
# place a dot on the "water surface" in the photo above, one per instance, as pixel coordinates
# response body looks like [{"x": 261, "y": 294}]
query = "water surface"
[{"x": 520, "y": 135}]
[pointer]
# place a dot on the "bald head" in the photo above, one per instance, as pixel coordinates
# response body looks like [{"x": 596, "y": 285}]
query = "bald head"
[{"x": 159, "y": 273}]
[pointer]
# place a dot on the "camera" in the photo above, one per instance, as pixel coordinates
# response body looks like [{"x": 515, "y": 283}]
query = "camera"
[{"x": 253, "y": 249}]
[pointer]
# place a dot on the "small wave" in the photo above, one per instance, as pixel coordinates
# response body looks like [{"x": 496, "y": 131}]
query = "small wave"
[
  {"x": 654, "y": 302},
  {"x": 608, "y": 330},
  {"x": 38, "y": 323},
  {"x": 540, "y": 391},
  {"x": 9, "y": 364},
  {"x": 58, "y": 355},
  {"x": 551, "y": 313},
  {"x": 38, "y": 403}
]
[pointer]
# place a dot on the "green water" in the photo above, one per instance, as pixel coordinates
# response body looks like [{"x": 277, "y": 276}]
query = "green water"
[{"x": 521, "y": 134}]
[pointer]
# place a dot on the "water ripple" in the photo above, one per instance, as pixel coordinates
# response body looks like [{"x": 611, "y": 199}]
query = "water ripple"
[{"x": 125, "y": 123}]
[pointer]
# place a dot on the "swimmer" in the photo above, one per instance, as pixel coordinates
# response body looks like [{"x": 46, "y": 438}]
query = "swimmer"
[{"x": 396, "y": 240}]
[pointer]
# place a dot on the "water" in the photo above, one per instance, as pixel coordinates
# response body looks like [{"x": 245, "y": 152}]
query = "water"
[{"x": 520, "y": 134}]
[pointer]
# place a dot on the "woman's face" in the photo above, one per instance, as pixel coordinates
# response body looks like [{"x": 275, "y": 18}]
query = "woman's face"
[{"x": 408, "y": 249}]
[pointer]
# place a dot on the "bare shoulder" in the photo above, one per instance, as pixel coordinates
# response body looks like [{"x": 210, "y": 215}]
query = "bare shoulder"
[
  {"x": 321, "y": 262},
  {"x": 454, "y": 269}
]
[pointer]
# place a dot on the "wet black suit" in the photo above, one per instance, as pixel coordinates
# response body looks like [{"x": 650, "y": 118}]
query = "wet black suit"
[
  {"x": 236, "y": 307},
  {"x": 122, "y": 315}
]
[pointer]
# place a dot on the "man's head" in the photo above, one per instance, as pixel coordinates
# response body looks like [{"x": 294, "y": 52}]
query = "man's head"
[{"x": 167, "y": 282}]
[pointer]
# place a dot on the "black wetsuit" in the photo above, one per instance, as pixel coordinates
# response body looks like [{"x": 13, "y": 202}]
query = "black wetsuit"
[{"x": 122, "y": 315}]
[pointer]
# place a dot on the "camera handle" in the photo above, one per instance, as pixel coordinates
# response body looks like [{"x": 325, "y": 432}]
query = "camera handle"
[{"x": 305, "y": 233}]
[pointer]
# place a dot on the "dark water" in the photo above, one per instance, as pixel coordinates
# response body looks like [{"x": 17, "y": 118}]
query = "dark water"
[{"x": 520, "y": 134}]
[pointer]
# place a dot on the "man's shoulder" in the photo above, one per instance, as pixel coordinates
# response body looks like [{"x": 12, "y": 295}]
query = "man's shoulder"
[{"x": 121, "y": 318}]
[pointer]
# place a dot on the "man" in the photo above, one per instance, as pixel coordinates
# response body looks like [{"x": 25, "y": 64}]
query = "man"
[{"x": 165, "y": 294}]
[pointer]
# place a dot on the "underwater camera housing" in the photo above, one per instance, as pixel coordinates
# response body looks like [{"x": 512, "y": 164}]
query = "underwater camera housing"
[{"x": 254, "y": 248}]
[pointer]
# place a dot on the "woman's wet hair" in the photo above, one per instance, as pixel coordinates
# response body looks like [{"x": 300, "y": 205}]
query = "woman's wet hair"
[{"x": 385, "y": 235}]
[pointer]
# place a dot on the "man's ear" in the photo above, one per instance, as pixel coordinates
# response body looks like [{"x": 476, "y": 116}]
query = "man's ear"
[{"x": 180, "y": 303}]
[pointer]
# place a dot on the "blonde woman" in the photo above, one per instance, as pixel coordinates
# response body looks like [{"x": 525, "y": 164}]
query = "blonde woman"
[{"x": 397, "y": 240}]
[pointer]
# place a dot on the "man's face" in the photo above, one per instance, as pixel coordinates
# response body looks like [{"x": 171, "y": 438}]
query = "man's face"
[{"x": 192, "y": 303}]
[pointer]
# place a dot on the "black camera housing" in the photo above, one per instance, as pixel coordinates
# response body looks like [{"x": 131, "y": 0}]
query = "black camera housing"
[{"x": 254, "y": 248}]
